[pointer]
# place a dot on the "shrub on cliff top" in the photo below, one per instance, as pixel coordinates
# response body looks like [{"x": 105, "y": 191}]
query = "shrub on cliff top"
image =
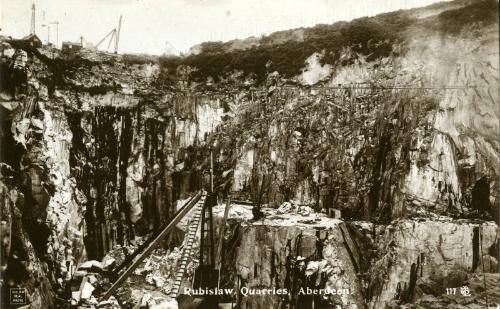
[
  {"x": 139, "y": 59},
  {"x": 371, "y": 36}
]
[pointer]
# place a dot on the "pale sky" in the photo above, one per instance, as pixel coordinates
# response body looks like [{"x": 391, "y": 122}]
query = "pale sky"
[{"x": 149, "y": 24}]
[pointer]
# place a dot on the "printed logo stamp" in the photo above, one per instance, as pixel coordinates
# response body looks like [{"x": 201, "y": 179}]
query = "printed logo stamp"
[{"x": 18, "y": 296}]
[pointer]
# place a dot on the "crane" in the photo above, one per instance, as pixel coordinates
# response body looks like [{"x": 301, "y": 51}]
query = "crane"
[
  {"x": 57, "y": 31},
  {"x": 111, "y": 33},
  {"x": 114, "y": 35},
  {"x": 32, "y": 28},
  {"x": 117, "y": 39}
]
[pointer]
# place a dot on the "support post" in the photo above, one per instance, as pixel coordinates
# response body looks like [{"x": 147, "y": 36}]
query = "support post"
[
  {"x": 32, "y": 29},
  {"x": 222, "y": 228},
  {"x": 117, "y": 38},
  {"x": 211, "y": 171},
  {"x": 211, "y": 223}
]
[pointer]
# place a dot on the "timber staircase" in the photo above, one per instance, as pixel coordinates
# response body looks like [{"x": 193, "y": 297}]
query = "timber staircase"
[{"x": 187, "y": 246}]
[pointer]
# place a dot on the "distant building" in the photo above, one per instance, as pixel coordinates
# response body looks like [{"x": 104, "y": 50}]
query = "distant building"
[
  {"x": 71, "y": 47},
  {"x": 28, "y": 41},
  {"x": 33, "y": 40}
]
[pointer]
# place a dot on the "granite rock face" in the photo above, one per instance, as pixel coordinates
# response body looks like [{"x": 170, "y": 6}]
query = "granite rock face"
[
  {"x": 421, "y": 257},
  {"x": 368, "y": 265},
  {"x": 397, "y": 150},
  {"x": 90, "y": 165},
  {"x": 295, "y": 258}
]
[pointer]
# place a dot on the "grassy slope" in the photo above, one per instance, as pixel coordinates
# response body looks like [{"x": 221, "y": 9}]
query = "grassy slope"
[{"x": 371, "y": 36}]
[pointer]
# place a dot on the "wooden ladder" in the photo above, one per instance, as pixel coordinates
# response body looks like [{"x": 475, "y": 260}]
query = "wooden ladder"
[{"x": 186, "y": 251}]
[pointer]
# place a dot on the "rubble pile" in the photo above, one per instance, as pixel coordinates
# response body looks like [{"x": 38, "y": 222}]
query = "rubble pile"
[
  {"x": 87, "y": 278},
  {"x": 159, "y": 269},
  {"x": 150, "y": 284}
]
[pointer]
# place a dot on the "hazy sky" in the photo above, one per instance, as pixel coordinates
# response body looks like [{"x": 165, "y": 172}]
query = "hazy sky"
[{"x": 149, "y": 24}]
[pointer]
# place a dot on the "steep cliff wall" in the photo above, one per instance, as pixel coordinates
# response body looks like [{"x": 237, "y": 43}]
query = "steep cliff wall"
[
  {"x": 283, "y": 254},
  {"x": 89, "y": 163},
  {"x": 415, "y": 258},
  {"x": 276, "y": 260},
  {"x": 396, "y": 150}
]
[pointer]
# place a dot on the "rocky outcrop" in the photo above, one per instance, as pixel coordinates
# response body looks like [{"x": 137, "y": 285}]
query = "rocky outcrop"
[
  {"x": 45, "y": 235},
  {"x": 280, "y": 260},
  {"x": 460, "y": 152},
  {"x": 428, "y": 256},
  {"x": 91, "y": 164},
  {"x": 133, "y": 164},
  {"x": 396, "y": 150},
  {"x": 370, "y": 266}
]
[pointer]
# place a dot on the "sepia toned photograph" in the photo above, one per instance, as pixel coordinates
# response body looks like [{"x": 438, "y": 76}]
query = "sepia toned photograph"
[{"x": 248, "y": 154}]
